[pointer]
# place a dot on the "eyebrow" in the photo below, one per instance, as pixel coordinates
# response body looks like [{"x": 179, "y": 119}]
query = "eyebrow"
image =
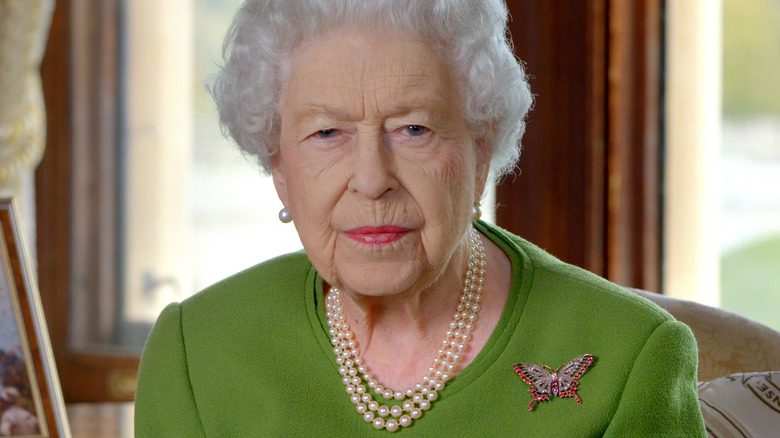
[{"x": 316, "y": 110}]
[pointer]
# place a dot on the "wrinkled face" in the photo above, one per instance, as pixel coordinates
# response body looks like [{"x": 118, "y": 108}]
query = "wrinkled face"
[{"x": 376, "y": 162}]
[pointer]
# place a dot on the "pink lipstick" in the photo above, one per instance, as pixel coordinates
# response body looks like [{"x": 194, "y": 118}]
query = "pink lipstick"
[{"x": 381, "y": 235}]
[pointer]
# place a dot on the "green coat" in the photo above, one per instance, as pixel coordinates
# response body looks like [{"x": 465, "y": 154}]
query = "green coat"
[{"x": 251, "y": 357}]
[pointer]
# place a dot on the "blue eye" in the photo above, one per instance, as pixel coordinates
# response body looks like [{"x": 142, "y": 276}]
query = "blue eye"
[
  {"x": 326, "y": 133},
  {"x": 416, "y": 130}
]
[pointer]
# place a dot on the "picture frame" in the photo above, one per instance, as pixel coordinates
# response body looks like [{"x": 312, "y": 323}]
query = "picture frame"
[{"x": 29, "y": 387}]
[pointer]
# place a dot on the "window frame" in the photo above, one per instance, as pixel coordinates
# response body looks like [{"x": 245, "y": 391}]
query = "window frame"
[{"x": 81, "y": 95}]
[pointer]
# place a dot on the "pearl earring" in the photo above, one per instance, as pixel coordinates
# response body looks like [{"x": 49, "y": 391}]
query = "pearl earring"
[
  {"x": 476, "y": 213},
  {"x": 285, "y": 215}
]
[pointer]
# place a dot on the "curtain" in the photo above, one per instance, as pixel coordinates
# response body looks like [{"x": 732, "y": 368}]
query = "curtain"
[{"x": 24, "y": 28}]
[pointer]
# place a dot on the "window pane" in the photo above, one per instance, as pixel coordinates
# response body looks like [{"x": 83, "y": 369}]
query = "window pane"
[
  {"x": 750, "y": 160},
  {"x": 193, "y": 210}
]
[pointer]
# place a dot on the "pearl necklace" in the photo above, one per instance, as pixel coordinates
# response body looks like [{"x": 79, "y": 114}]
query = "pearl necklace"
[{"x": 415, "y": 400}]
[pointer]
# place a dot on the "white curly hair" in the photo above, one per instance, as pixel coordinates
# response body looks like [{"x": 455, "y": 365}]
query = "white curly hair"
[{"x": 471, "y": 34}]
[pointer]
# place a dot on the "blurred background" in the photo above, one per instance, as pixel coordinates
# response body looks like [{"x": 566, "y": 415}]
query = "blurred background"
[{"x": 749, "y": 187}]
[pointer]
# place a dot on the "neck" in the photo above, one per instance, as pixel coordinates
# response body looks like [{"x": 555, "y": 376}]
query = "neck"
[
  {"x": 398, "y": 336},
  {"x": 414, "y": 314},
  {"x": 413, "y": 318}
]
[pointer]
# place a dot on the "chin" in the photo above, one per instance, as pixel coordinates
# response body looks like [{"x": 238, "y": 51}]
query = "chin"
[
  {"x": 378, "y": 288},
  {"x": 381, "y": 282}
]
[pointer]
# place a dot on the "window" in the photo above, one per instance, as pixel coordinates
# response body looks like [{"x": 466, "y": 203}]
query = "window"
[
  {"x": 723, "y": 223},
  {"x": 750, "y": 160},
  {"x": 194, "y": 211}
]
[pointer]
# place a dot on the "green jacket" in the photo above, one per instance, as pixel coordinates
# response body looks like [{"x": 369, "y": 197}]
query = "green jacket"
[{"x": 250, "y": 357}]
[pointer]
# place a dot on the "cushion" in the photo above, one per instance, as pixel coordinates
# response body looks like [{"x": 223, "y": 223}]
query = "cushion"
[{"x": 742, "y": 405}]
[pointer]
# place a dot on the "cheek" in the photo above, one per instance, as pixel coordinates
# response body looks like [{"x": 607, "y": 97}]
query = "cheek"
[
  {"x": 460, "y": 171},
  {"x": 313, "y": 195},
  {"x": 314, "y": 189},
  {"x": 449, "y": 178},
  {"x": 312, "y": 209},
  {"x": 442, "y": 190},
  {"x": 459, "y": 190},
  {"x": 313, "y": 179}
]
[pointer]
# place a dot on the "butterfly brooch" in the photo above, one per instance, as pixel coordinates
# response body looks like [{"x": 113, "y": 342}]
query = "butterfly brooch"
[{"x": 546, "y": 382}]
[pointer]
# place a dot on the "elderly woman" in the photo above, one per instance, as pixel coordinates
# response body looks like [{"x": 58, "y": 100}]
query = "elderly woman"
[{"x": 381, "y": 122}]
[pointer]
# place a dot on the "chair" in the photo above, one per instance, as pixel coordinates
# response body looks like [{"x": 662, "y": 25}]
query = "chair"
[{"x": 728, "y": 343}]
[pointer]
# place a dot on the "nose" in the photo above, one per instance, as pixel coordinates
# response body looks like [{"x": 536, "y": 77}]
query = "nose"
[{"x": 372, "y": 168}]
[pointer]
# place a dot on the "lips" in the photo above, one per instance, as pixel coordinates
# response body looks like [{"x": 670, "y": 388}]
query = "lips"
[{"x": 380, "y": 235}]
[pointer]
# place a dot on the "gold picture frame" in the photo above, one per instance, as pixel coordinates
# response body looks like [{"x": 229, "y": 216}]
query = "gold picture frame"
[{"x": 29, "y": 387}]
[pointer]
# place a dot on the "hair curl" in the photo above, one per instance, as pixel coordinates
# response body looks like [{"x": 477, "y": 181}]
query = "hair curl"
[{"x": 470, "y": 33}]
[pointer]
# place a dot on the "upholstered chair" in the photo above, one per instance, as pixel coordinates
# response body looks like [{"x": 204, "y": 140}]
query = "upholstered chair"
[{"x": 728, "y": 343}]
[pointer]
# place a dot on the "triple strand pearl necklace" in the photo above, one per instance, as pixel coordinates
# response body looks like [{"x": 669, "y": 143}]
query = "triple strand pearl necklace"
[{"x": 412, "y": 402}]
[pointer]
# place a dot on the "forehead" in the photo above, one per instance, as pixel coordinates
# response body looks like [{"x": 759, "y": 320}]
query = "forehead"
[{"x": 351, "y": 68}]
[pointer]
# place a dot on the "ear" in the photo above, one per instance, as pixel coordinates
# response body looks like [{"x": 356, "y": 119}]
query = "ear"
[
  {"x": 279, "y": 177},
  {"x": 484, "y": 152}
]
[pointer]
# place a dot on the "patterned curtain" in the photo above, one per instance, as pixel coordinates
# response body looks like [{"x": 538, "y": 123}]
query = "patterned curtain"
[{"x": 24, "y": 28}]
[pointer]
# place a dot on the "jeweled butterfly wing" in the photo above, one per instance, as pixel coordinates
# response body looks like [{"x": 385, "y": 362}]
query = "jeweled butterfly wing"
[
  {"x": 546, "y": 382},
  {"x": 540, "y": 378}
]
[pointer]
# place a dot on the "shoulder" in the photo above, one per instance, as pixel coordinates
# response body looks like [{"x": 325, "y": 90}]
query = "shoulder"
[
  {"x": 271, "y": 280},
  {"x": 253, "y": 299},
  {"x": 571, "y": 310},
  {"x": 589, "y": 295},
  {"x": 565, "y": 286}
]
